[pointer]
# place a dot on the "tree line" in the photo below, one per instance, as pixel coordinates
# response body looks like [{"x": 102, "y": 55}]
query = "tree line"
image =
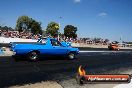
[
  {"x": 28, "y": 24},
  {"x": 6, "y": 28}
]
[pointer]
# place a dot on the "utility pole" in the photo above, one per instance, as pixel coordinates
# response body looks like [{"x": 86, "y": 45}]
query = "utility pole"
[
  {"x": 121, "y": 40},
  {"x": 59, "y": 28}
]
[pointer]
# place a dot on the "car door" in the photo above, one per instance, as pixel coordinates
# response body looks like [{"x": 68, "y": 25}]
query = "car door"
[{"x": 57, "y": 48}]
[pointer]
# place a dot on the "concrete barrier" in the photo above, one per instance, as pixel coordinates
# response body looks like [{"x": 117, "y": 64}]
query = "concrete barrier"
[
  {"x": 4, "y": 42},
  {"x": 75, "y": 44},
  {"x": 8, "y": 40}
]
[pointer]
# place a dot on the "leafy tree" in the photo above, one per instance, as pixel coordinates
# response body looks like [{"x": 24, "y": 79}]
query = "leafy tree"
[
  {"x": 6, "y": 28},
  {"x": 36, "y": 27},
  {"x": 106, "y": 40},
  {"x": 97, "y": 40},
  {"x": 27, "y": 24},
  {"x": 44, "y": 33},
  {"x": 52, "y": 28},
  {"x": 23, "y": 23},
  {"x": 128, "y": 42},
  {"x": 70, "y": 31}
]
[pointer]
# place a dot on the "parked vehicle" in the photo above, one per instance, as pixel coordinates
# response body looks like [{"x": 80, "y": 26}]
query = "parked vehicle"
[
  {"x": 44, "y": 47},
  {"x": 113, "y": 47}
]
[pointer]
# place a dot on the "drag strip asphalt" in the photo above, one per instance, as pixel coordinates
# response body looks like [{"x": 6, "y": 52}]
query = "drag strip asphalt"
[{"x": 61, "y": 70}]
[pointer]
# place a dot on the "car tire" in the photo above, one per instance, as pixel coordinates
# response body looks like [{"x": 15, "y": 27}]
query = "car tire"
[
  {"x": 32, "y": 56},
  {"x": 71, "y": 56}
]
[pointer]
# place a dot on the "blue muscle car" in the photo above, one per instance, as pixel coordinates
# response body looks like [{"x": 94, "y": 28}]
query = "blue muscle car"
[{"x": 43, "y": 47}]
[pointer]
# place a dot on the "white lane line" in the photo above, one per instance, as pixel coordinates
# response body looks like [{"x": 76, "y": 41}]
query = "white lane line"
[
  {"x": 103, "y": 51},
  {"x": 129, "y": 85}
]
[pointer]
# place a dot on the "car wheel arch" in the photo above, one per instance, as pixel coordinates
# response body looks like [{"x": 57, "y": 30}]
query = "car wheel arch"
[
  {"x": 37, "y": 51},
  {"x": 72, "y": 52}
]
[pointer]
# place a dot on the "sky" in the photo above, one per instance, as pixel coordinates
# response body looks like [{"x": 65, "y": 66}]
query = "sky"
[{"x": 110, "y": 19}]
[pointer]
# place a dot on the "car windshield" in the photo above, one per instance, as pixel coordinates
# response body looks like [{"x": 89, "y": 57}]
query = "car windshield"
[
  {"x": 42, "y": 41},
  {"x": 55, "y": 42}
]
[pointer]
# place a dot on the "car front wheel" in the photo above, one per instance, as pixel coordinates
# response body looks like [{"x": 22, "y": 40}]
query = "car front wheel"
[{"x": 71, "y": 56}]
